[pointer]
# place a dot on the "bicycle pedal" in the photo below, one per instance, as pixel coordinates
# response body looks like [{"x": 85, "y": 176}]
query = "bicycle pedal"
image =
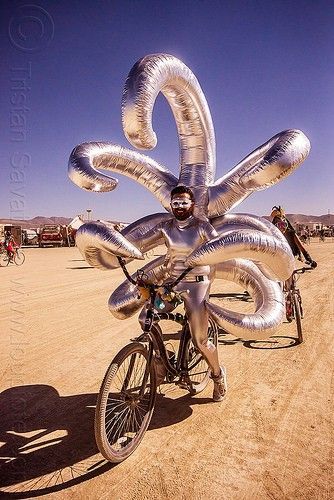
[{"x": 184, "y": 384}]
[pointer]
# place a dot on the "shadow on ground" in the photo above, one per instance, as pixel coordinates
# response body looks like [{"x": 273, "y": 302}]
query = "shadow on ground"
[
  {"x": 81, "y": 267},
  {"x": 273, "y": 342},
  {"x": 48, "y": 441}
]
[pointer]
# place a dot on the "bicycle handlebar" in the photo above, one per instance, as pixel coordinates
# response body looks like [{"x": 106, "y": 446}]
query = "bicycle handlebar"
[
  {"x": 141, "y": 277},
  {"x": 302, "y": 270}
]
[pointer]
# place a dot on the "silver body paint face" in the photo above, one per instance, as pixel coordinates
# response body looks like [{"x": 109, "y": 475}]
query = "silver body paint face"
[
  {"x": 182, "y": 206},
  {"x": 247, "y": 250}
]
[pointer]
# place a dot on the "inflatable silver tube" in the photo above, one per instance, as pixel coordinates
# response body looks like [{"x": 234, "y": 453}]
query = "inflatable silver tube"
[
  {"x": 235, "y": 222},
  {"x": 125, "y": 301},
  {"x": 136, "y": 231},
  {"x": 87, "y": 158},
  {"x": 247, "y": 244},
  {"x": 265, "y": 166},
  {"x": 246, "y": 221},
  {"x": 268, "y": 299},
  {"x": 166, "y": 73},
  {"x": 99, "y": 245}
]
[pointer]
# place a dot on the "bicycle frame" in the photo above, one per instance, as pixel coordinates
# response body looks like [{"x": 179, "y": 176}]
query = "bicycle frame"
[
  {"x": 156, "y": 343},
  {"x": 293, "y": 301},
  {"x": 292, "y": 287}
]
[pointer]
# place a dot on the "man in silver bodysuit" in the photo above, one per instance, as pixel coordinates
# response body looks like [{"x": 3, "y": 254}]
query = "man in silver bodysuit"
[{"x": 182, "y": 235}]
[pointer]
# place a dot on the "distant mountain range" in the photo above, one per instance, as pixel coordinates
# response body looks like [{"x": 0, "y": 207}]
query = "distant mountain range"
[
  {"x": 37, "y": 221},
  {"x": 40, "y": 221},
  {"x": 327, "y": 220}
]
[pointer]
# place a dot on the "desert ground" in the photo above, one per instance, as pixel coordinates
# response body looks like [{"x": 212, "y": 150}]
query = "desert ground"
[{"x": 271, "y": 438}]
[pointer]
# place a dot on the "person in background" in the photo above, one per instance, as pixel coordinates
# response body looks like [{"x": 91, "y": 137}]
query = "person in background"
[
  {"x": 284, "y": 225},
  {"x": 10, "y": 244},
  {"x": 322, "y": 234}
]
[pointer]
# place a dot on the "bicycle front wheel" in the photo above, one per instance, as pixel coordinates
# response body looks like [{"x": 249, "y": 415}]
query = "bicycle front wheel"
[
  {"x": 4, "y": 259},
  {"x": 19, "y": 257},
  {"x": 298, "y": 317},
  {"x": 197, "y": 367},
  {"x": 125, "y": 403}
]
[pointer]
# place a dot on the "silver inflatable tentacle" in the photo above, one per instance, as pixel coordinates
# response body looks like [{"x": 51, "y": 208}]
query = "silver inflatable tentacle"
[
  {"x": 137, "y": 230},
  {"x": 87, "y": 158},
  {"x": 166, "y": 73},
  {"x": 228, "y": 222},
  {"x": 248, "y": 244},
  {"x": 99, "y": 245},
  {"x": 265, "y": 166},
  {"x": 267, "y": 295},
  {"x": 236, "y": 222},
  {"x": 94, "y": 240},
  {"x": 245, "y": 221},
  {"x": 125, "y": 301}
]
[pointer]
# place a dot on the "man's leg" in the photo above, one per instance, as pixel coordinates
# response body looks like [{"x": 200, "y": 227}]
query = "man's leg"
[{"x": 194, "y": 303}]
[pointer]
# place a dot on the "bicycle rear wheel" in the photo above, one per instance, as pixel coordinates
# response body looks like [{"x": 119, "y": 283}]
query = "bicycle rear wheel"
[
  {"x": 19, "y": 257},
  {"x": 125, "y": 403},
  {"x": 298, "y": 317},
  {"x": 197, "y": 367}
]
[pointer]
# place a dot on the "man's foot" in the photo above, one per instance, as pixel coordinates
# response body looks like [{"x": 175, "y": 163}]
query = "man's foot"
[{"x": 219, "y": 385}]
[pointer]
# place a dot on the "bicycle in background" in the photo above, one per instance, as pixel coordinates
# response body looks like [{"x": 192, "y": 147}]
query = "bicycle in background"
[
  {"x": 15, "y": 257},
  {"x": 293, "y": 301}
]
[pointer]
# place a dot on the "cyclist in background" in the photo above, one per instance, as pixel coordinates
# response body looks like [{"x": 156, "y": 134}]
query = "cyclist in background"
[
  {"x": 10, "y": 245},
  {"x": 284, "y": 225}
]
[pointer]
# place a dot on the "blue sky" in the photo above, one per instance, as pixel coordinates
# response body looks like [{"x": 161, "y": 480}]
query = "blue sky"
[{"x": 264, "y": 66}]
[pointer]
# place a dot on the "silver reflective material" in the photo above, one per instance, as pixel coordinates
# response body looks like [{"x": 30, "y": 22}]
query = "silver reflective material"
[
  {"x": 87, "y": 158},
  {"x": 236, "y": 222},
  {"x": 170, "y": 76},
  {"x": 180, "y": 237},
  {"x": 267, "y": 295},
  {"x": 136, "y": 231},
  {"x": 126, "y": 300},
  {"x": 264, "y": 167},
  {"x": 100, "y": 245},
  {"x": 247, "y": 244},
  {"x": 248, "y": 250}
]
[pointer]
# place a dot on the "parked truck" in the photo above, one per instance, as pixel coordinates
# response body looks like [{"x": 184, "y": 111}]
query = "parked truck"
[{"x": 51, "y": 235}]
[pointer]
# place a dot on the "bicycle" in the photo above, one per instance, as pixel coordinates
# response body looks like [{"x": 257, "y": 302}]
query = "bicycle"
[
  {"x": 304, "y": 238},
  {"x": 293, "y": 301},
  {"x": 17, "y": 258},
  {"x": 128, "y": 392}
]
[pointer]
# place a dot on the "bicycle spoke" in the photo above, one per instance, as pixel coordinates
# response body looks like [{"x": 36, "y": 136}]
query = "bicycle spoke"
[{"x": 127, "y": 406}]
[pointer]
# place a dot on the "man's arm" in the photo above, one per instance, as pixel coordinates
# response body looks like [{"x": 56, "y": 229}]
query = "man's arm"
[{"x": 151, "y": 238}]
